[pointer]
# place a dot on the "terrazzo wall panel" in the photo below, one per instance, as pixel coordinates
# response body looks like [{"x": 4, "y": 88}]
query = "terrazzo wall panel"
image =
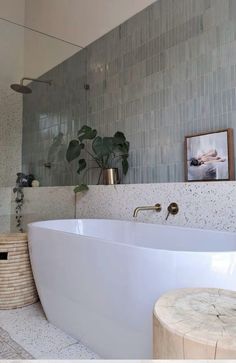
[
  {"x": 11, "y": 103},
  {"x": 167, "y": 72},
  {"x": 5, "y": 210},
  {"x": 11, "y": 106},
  {"x": 201, "y": 205},
  {"x": 39, "y": 204},
  {"x": 43, "y": 204}
]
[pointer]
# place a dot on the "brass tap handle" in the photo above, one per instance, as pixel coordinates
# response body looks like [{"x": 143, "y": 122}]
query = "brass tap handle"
[{"x": 173, "y": 209}]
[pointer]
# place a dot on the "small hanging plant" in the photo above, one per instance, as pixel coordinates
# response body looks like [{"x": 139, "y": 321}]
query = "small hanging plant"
[
  {"x": 107, "y": 152},
  {"x": 19, "y": 204},
  {"x": 21, "y": 182}
]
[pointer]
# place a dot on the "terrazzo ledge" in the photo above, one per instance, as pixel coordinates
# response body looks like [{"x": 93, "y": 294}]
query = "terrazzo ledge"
[
  {"x": 45, "y": 203},
  {"x": 202, "y": 205},
  {"x": 208, "y": 205}
]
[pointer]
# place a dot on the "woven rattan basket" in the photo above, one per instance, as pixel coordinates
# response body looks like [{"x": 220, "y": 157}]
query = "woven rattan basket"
[{"x": 17, "y": 287}]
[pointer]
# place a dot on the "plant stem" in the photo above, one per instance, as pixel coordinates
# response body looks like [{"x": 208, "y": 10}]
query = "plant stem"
[
  {"x": 100, "y": 166},
  {"x": 99, "y": 177},
  {"x": 106, "y": 162}
]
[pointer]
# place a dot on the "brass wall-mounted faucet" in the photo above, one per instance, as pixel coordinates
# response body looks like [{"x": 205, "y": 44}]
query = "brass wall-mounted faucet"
[
  {"x": 156, "y": 207},
  {"x": 173, "y": 209}
]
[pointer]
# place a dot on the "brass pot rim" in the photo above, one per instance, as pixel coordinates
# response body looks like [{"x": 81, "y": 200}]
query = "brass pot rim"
[{"x": 109, "y": 168}]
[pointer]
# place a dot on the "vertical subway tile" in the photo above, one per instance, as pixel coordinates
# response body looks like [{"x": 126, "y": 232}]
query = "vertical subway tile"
[{"x": 167, "y": 72}]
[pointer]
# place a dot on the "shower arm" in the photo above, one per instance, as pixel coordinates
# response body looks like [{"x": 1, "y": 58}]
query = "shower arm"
[{"x": 34, "y": 80}]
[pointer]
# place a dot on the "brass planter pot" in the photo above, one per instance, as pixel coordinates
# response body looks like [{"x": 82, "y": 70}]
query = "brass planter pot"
[{"x": 110, "y": 176}]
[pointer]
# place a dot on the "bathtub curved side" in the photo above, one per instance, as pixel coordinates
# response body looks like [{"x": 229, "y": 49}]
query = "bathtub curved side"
[{"x": 103, "y": 294}]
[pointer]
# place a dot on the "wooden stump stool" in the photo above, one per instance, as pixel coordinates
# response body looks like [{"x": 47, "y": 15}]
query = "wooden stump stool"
[
  {"x": 17, "y": 287},
  {"x": 195, "y": 324}
]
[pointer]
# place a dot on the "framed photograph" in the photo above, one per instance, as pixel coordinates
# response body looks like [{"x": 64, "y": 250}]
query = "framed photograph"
[{"x": 209, "y": 156}]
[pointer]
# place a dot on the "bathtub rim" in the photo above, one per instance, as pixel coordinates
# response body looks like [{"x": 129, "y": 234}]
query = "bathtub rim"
[{"x": 36, "y": 225}]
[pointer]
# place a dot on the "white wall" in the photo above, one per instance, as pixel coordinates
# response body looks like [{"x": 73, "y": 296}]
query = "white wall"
[
  {"x": 13, "y": 10},
  {"x": 12, "y": 69},
  {"x": 78, "y": 21}
]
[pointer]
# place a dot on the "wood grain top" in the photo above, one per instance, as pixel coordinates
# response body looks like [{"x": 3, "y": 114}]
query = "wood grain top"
[{"x": 206, "y": 316}]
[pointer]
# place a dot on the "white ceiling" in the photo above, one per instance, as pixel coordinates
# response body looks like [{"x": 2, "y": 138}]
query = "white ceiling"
[{"x": 13, "y": 10}]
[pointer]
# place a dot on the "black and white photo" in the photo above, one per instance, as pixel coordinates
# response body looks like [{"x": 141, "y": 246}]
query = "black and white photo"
[{"x": 209, "y": 156}]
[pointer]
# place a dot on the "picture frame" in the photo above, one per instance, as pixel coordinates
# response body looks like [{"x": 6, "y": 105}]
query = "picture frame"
[{"x": 209, "y": 156}]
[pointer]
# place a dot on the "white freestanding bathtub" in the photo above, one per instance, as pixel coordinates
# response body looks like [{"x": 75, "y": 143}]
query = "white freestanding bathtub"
[{"x": 98, "y": 280}]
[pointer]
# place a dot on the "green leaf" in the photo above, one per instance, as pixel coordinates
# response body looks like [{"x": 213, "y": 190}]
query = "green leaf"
[
  {"x": 120, "y": 143},
  {"x": 82, "y": 165},
  {"x": 108, "y": 144},
  {"x": 102, "y": 146},
  {"x": 126, "y": 146},
  {"x": 86, "y": 133},
  {"x": 125, "y": 165},
  {"x": 74, "y": 150},
  {"x": 123, "y": 148},
  {"x": 81, "y": 188},
  {"x": 97, "y": 145},
  {"x": 119, "y": 138}
]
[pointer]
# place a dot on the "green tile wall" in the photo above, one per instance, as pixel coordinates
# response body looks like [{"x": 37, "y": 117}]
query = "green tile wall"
[{"x": 167, "y": 72}]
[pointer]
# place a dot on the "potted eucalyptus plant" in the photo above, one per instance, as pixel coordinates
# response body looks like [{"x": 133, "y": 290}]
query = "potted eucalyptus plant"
[{"x": 107, "y": 153}]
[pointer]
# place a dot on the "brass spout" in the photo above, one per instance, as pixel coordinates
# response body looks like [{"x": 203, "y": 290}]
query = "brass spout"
[{"x": 156, "y": 207}]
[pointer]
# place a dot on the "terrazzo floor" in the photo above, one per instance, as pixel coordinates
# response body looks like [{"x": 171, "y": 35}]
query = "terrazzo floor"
[{"x": 26, "y": 334}]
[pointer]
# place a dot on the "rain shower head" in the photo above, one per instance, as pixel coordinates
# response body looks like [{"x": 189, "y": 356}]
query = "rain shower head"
[{"x": 21, "y": 88}]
